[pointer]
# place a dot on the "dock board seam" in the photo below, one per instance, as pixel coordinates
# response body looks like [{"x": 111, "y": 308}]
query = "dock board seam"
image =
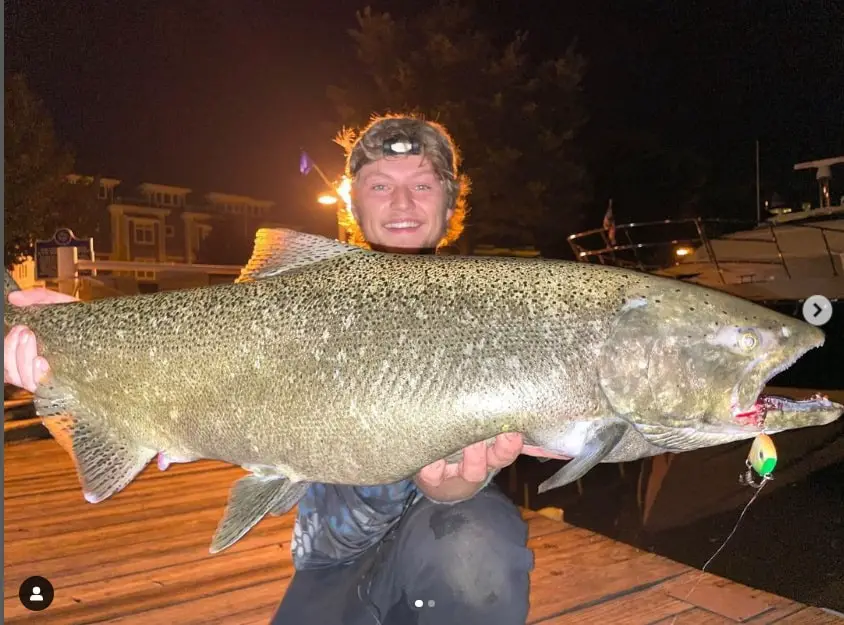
[
  {"x": 199, "y": 597},
  {"x": 664, "y": 619},
  {"x": 611, "y": 597}
]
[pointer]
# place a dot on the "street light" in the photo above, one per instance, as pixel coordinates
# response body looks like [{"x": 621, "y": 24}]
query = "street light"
[
  {"x": 341, "y": 198},
  {"x": 328, "y": 199}
]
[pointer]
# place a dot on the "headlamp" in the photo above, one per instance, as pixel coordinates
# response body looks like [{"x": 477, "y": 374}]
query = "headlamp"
[{"x": 401, "y": 147}]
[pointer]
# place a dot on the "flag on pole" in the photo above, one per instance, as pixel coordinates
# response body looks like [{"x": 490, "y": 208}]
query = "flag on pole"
[
  {"x": 609, "y": 224},
  {"x": 305, "y": 163}
]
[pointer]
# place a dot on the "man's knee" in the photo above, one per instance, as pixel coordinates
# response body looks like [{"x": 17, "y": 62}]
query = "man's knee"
[{"x": 476, "y": 550}]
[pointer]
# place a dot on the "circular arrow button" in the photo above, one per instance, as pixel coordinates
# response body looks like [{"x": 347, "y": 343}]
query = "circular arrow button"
[{"x": 817, "y": 310}]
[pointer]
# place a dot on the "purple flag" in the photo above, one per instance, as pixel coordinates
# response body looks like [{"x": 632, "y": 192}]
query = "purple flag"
[{"x": 305, "y": 163}]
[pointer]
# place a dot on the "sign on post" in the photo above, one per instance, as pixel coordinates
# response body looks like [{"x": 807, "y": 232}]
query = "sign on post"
[{"x": 48, "y": 253}]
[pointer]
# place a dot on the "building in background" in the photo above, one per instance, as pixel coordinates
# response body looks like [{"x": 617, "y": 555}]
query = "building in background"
[{"x": 158, "y": 223}]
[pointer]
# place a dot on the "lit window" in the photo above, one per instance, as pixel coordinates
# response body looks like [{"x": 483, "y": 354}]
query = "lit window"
[
  {"x": 144, "y": 233},
  {"x": 145, "y": 275}
]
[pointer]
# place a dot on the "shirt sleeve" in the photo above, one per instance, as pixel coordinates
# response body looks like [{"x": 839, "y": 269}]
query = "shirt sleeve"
[{"x": 334, "y": 524}]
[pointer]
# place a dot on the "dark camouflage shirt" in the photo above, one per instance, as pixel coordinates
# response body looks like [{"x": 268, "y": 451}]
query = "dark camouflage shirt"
[{"x": 334, "y": 524}]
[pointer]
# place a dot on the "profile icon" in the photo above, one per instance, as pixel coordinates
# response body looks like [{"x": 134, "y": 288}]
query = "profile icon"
[{"x": 36, "y": 593}]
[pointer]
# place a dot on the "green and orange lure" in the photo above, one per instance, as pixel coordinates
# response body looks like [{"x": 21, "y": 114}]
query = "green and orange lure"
[{"x": 762, "y": 460}]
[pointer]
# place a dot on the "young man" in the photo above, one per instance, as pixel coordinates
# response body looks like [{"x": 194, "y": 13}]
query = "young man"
[{"x": 446, "y": 546}]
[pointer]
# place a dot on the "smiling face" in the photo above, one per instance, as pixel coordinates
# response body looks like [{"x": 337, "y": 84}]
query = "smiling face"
[{"x": 400, "y": 204}]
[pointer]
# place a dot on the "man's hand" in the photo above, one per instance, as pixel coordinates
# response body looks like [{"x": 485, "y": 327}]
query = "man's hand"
[
  {"x": 21, "y": 364},
  {"x": 442, "y": 481}
]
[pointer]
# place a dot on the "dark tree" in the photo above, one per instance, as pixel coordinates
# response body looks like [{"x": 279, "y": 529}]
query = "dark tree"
[
  {"x": 35, "y": 170},
  {"x": 80, "y": 208},
  {"x": 514, "y": 118},
  {"x": 40, "y": 197},
  {"x": 227, "y": 243}
]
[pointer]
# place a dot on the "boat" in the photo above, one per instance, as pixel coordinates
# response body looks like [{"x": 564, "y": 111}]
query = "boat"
[
  {"x": 791, "y": 255},
  {"x": 779, "y": 262}
]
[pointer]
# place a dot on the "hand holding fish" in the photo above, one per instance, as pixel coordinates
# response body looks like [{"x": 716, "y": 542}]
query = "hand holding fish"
[
  {"x": 454, "y": 481},
  {"x": 22, "y": 366}
]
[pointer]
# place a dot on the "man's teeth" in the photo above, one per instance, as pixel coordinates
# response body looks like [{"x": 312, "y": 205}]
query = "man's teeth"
[{"x": 403, "y": 224}]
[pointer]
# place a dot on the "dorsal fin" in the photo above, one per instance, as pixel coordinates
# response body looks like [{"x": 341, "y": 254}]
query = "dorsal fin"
[{"x": 278, "y": 250}]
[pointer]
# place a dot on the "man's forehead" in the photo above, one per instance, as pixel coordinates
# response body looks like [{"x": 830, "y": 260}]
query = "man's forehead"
[{"x": 405, "y": 165}]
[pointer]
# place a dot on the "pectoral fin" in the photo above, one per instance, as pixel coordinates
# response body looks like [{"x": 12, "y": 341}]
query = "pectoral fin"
[
  {"x": 105, "y": 462},
  {"x": 597, "y": 448},
  {"x": 251, "y": 498}
]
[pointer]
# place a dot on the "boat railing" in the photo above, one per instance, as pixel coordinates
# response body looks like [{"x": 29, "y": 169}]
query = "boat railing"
[{"x": 644, "y": 245}]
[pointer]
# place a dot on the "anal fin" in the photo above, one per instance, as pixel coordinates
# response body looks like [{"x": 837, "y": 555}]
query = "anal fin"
[
  {"x": 105, "y": 463},
  {"x": 251, "y": 498},
  {"x": 596, "y": 449}
]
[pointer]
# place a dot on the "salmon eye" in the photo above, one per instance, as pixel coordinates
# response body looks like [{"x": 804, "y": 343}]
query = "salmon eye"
[{"x": 748, "y": 340}]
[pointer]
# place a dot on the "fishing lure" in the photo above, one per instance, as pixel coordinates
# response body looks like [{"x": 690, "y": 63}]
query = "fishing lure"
[{"x": 762, "y": 459}]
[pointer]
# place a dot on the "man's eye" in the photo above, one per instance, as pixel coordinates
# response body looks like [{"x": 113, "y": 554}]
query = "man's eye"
[
  {"x": 378, "y": 187},
  {"x": 423, "y": 187}
]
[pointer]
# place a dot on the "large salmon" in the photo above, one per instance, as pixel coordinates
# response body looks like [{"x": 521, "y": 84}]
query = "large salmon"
[{"x": 330, "y": 363}]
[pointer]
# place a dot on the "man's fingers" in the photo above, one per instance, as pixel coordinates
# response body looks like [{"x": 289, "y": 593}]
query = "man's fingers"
[
  {"x": 39, "y": 369},
  {"x": 18, "y": 298},
  {"x": 39, "y": 296},
  {"x": 10, "y": 349},
  {"x": 505, "y": 450},
  {"x": 434, "y": 474},
  {"x": 473, "y": 468},
  {"x": 27, "y": 353}
]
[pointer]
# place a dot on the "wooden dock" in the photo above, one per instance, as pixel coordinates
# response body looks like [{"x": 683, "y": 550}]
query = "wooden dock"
[{"x": 142, "y": 557}]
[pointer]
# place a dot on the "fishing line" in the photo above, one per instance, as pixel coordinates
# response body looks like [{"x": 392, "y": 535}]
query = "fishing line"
[{"x": 762, "y": 459}]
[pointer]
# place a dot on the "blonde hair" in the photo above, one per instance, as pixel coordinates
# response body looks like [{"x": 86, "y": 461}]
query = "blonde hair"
[{"x": 437, "y": 147}]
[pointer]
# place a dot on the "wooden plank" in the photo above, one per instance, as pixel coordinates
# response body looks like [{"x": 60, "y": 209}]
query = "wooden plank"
[
  {"x": 110, "y": 598},
  {"x": 186, "y": 539},
  {"x": 811, "y": 616},
  {"x": 253, "y": 603},
  {"x": 188, "y": 605},
  {"x": 694, "y": 616},
  {"x": 539, "y": 526},
  {"x": 60, "y": 479},
  {"x": 736, "y": 602},
  {"x": 64, "y": 482},
  {"x": 115, "y": 536},
  {"x": 577, "y": 568},
  {"x": 66, "y": 573},
  {"x": 73, "y": 508},
  {"x": 142, "y": 557},
  {"x": 20, "y": 424},
  {"x": 143, "y": 490},
  {"x": 635, "y": 608}
]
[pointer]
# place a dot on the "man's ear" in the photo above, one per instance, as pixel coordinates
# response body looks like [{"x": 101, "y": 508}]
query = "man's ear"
[{"x": 353, "y": 209}]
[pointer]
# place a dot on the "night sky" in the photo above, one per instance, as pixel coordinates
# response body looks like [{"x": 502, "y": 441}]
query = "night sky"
[{"x": 220, "y": 94}]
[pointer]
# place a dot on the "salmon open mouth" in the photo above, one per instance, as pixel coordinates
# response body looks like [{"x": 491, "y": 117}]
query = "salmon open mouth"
[{"x": 755, "y": 417}]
